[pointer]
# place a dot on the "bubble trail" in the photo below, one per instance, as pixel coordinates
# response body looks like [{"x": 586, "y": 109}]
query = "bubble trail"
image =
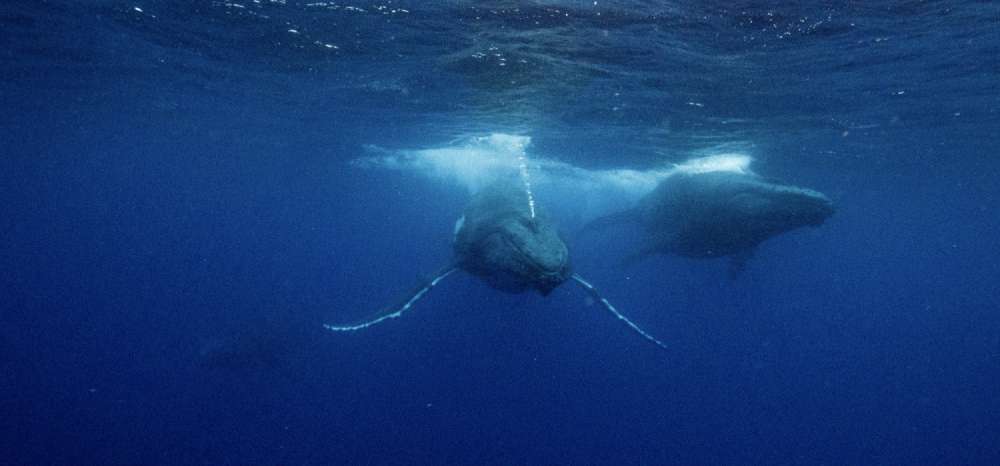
[{"x": 526, "y": 179}]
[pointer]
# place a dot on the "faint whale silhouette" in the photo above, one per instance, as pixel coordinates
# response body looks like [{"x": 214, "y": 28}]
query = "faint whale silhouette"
[
  {"x": 503, "y": 241},
  {"x": 717, "y": 214},
  {"x": 255, "y": 346}
]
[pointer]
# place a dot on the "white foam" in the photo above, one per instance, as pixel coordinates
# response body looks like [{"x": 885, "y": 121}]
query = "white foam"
[
  {"x": 477, "y": 161},
  {"x": 731, "y": 162},
  {"x": 472, "y": 163}
]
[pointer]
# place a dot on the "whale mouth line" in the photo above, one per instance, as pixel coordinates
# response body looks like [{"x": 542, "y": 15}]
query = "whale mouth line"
[{"x": 529, "y": 259}]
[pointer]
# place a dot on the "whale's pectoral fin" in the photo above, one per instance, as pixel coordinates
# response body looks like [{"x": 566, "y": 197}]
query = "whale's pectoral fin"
[
  {"x": 607, "y": 305},
  {"x": 396, "y": 311}
]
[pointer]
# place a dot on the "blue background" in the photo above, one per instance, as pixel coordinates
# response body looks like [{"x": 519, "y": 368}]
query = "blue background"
[{"x": 180, "y": 216}]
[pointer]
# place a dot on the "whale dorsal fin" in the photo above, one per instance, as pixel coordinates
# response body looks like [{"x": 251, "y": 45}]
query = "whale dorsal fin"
[
  {"x": 396, "y": 311},
  {"x": 607, "y": 305}
]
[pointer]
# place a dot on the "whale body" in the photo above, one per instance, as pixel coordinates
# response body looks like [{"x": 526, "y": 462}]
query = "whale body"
[
  {"x": 717, "y": 214},
  {"x": 504, "y": 241}
]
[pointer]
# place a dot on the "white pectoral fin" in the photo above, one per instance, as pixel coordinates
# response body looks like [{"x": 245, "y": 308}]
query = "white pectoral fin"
[
  {"x": 607, "y": 305},
  {"x": 395, "y": 311}
]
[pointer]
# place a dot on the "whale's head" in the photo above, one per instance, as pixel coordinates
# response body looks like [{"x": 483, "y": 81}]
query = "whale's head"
[
  {"x": 781, "y": 208},
  {"x": 760, "y": 210},
  {"x": 501, "y": 242},
  {"x": 517, "y": 254},
  {"x": 718, "y": 214}
]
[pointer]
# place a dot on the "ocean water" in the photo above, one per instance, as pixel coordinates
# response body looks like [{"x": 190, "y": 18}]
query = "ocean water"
[{"x": 191, "y": 189}]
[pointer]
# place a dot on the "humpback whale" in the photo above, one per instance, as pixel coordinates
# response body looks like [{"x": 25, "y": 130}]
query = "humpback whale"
[
  {"x": 719, "y": 213},
  {"x": 501, "y": 239}
]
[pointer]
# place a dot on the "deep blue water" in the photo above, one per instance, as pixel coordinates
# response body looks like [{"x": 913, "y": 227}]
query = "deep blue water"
[{"x": 183, "y": 210}]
